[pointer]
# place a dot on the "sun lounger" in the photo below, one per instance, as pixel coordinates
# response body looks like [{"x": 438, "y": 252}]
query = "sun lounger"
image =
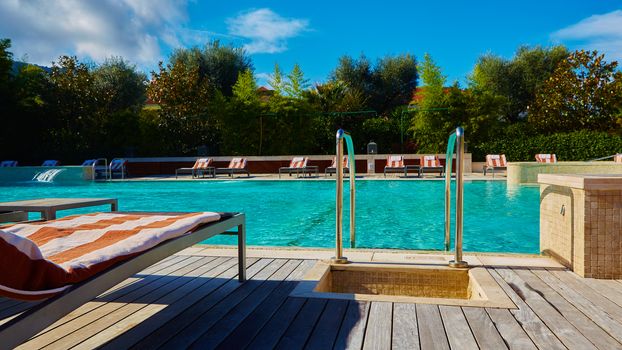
[
  {"x": 201, "y": 166},
  {"x": 332, "y": 169},
  {"x": 299, "y": 166},
  {"x": 395, "y": 164},
  {"x": 8, "y": 164},
  {"x": 618, "y": 158},
  {"x": 495, "y": 162},
  {"x": 431, "y": 164},
  {"x": 118, "y": 165},
  {"x": 99, "y": 167},
  {"x": 546, "y": 158},
  {"x": 236, "y": 166},
  {"x": 51, "y": 162},
  {"x": 73, "y": 260}
]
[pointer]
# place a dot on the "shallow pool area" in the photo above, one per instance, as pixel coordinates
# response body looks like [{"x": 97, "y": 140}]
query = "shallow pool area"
[{"x": 390, "y": 214}]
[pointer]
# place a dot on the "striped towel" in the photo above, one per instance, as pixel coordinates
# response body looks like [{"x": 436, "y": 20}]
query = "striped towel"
[
  {"x": 395, "y": 162},
  {"x": 298, "y": 162},
  {"x": 8, "y": 164},
  {"x": 50, "y": 162},
  {"x": 38, "y": 260},
  {"x": 237, "y": 163},
  {"x": 346, "y": 162},
  {"x": 546, "y": 158},
  {"x": 496, "y": 160},
  {"x": 202, "y": 163},
  {"x": 430, "y": 162}
]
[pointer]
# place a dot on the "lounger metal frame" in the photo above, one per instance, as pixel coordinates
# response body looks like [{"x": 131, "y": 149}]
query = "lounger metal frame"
[{"x": 31, "y": 322}]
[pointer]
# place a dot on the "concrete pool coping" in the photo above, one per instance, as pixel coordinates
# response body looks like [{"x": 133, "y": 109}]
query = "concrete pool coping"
[{"x": 420, "y": 257}]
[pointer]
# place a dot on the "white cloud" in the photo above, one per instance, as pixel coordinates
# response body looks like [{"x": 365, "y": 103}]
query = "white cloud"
[
  {"x": 599, "y": 32},
  {"x": 267, "y": 31},
  {"x": 135, "y": 29}
]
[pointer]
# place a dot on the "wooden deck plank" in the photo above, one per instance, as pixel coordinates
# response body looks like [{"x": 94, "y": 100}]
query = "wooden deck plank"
[
  {"x": 187, "y": 316},
  {"x": 211, "y": 316},
  {"x": 596, "y": 314},
  {"x": 405, "y": 330},
  {"x": 64, "y": 328},
  {"x": 148, "y": 275},
  {"x": 431, "y": 329},
  {"x": 352, "y": 329},
  {"x": 226, "y": 269},
  {"x": 457, "y": 328},
  {"x": 378, "y": 332},
  {"x": 214, "y": 335},
  {"x": 327, "y": 327},
  {"x": 204, "y": 275},
  {"x": 511, "y": 331},
  {"x": 296, "y": 335},
  {"x": 274, "y": 329},
  {"x": 485, "y": 332},
  {"x": 539, "y": 333},
  {"x": 610, "y": 289},
  {"x": 564, "y": 330},
  {"x": 584, "y": 324},
  {"x": 571, "y": 279},
  {"x": 101, "y": 320},
  {"x": 244, "y": 333}
]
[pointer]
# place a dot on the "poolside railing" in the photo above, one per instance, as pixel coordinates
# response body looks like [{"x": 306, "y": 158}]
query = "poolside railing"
[{"x": 456, "y": 140}]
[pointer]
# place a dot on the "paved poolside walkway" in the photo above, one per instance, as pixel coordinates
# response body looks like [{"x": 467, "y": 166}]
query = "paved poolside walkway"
[{"x": 192, "y": 299}]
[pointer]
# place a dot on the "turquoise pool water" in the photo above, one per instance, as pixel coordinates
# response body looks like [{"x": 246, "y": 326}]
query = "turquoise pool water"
[{"x": 390, "y": 214}]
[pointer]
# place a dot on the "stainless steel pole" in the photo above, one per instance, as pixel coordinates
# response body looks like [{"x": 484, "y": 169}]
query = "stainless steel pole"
[
  {"x": 447, "y": 206},
  {"x": 458, "y": 262},
  {"x": 352, "y": 205},
  {"x": 339, "y": 258}
]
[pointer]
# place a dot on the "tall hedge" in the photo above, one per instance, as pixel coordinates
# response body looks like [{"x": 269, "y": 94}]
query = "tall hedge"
[{"x": 578, "y": 145}]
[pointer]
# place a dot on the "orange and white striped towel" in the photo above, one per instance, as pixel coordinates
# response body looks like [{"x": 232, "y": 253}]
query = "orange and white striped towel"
[
  {"x": 38, "y": 260},
  {"x": 546, "y": 158},
  {"x": 237, "y": 163},
  {"x": 202, "y": 163},
  {"x": 395, "y": 162},
  {"x": 346, "y": 162},
  {"x": 618, "y": 158},
  {"x": 496, "y": 160},
  {"x": 430, "y": 162},
  {"x": 298, "y": 162}
]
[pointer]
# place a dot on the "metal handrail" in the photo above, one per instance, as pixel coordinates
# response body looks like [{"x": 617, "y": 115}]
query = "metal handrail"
[
  {"x": 339, "y": 258},
  {"x": 602, "y": 158},
  {"x": 94, "y": 167},
  {"x": 456, "y": 138}
]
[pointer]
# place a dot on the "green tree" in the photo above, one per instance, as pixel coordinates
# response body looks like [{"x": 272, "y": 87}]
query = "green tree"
[
  {"x": 517, "y": 79},
  {"x": 584, "y": 93},
  {"x": 296, "y": 83},
  {"x": 245, "y": 89},
  {"x": 119, "y": 85},
  {"x": 276, "y": 80}
]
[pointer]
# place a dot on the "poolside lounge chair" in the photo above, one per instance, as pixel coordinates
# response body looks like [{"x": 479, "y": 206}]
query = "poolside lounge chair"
[
  {"x": 546, "y": 158},
  {"x": 236, "y": 166},
  {"x": 332, "y": 169},
  {"x": 618, "y": 158},
  {"x": 201, "y": 166},
  {"x": 98, "y": 166},
  {"x": 395, "y": 164},
  {"x": 118, "y": 165},
  {"x": 299, "y": 166},
  {"x": 8, "y": 164},
  {"x": 51, "y": 162},
  {"x": 431, "y": 164},
  {"x": 495, "y": 162},
  {"x": 88, "y": 267}
]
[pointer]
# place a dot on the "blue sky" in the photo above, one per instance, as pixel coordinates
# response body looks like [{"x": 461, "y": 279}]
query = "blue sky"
[{"x": 313, "y": 34}]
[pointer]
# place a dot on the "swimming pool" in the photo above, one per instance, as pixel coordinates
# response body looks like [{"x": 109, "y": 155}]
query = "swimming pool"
[{"x": 390, "y": 214}]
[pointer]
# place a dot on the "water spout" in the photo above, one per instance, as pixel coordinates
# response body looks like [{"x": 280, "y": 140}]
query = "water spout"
[{"x": 47, "y": 176}]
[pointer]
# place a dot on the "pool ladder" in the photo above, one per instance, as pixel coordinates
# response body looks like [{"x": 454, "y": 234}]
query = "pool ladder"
[
  {"x": 456, "y": 139},
  {"x": 341, "y": 135}
]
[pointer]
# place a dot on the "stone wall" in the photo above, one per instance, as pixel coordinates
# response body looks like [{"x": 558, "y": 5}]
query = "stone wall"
[
  {"x": 581, "y": 223},
  {"x": 527, "y": 172}
]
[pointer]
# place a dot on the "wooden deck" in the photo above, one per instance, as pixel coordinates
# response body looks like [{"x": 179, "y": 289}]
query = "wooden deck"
[{"x": 194, "y": 301}]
